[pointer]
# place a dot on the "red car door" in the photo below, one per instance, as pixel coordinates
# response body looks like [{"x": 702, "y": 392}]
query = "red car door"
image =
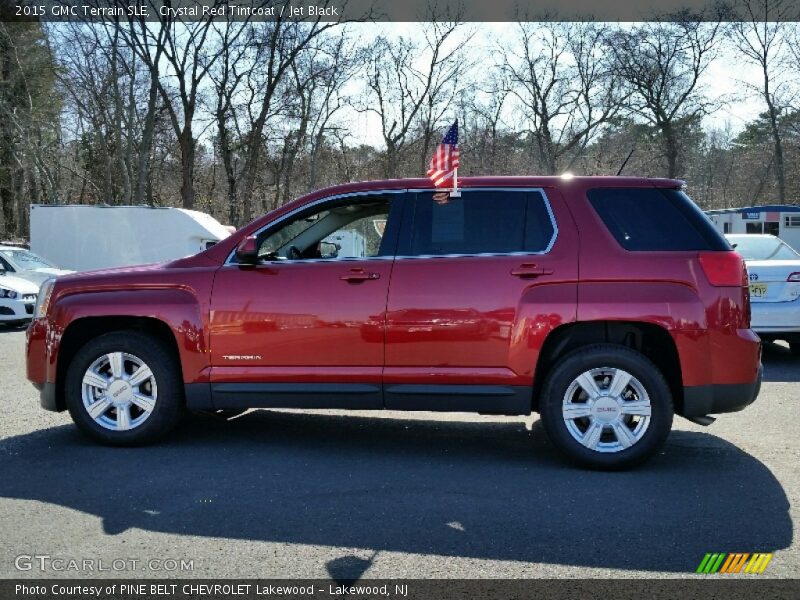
[
  {"x": 305, "y": 326},
  {"x": 477, "y": 284}
]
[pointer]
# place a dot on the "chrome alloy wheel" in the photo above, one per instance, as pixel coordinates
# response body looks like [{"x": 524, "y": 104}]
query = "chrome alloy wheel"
[
  {"x": 119, "y": 391},
  {"x": 606, "y": 409}
]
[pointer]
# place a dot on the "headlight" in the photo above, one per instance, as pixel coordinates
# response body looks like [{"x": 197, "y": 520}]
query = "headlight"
[
  {"x": 6, "y": 293},
  {"x": 43, "y": 299}
]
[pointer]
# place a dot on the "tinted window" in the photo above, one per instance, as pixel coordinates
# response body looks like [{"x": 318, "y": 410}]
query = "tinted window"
[
  {"x": 655, "y": 219},
  {"x": 479, "y": 222},
  {"x": 352, "y": 229}
]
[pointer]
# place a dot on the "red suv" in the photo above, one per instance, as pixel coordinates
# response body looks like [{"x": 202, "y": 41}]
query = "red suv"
[{"x": 606, "y": 304}]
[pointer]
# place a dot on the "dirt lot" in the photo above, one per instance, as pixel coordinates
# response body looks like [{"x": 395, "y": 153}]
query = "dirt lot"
[{"x": 345, "y": 495}]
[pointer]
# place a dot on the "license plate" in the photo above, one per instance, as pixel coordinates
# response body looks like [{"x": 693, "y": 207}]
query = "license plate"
[{"x": 758, "y": 290}]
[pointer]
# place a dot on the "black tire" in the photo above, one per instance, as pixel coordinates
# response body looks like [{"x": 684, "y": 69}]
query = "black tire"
[
  {"x": 169, "y": 404},
  {"x": 794, "y": 348},
  {"x": 558, "y": 383}
]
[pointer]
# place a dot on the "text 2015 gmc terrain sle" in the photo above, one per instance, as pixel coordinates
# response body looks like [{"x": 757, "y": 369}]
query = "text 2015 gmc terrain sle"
[{"x": 606, "y": 304}]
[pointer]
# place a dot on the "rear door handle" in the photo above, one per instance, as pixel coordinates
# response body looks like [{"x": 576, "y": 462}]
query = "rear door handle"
[
  {"x": 356, "y": 275},
  {"x": 530, "y": 270}
]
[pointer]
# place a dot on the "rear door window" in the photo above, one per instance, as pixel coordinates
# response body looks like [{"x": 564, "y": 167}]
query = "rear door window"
[
  {"x": 479, "y": 222},
  {"x": 653, "y": 219}
]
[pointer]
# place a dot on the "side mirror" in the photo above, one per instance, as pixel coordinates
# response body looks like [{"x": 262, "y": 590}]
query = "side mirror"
[{"x": 247, "y": 251}]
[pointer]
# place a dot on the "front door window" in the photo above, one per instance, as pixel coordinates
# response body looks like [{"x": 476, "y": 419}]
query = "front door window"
[{"x": 345, "y": 231}]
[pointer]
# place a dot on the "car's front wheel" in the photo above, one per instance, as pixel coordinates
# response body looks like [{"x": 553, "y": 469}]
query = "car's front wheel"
[
  {"x": 124, "y": 389},
  {"x": 607, "y": 407}
]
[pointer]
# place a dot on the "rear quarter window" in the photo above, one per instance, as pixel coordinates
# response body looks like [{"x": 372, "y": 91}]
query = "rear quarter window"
[{"x": 655, "y": 219}]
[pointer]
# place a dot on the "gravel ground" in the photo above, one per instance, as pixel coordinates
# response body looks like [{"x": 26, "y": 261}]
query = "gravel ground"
[{"x": 351, "y": 494}]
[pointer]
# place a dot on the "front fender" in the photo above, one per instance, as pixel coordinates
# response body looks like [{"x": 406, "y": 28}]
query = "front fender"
[{"x": 176, "y": 307}]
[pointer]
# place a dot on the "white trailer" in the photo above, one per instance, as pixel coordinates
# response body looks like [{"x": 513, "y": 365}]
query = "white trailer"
[
  {"x": 779, "y": 220},
  {"x": 85, "y": 238}
]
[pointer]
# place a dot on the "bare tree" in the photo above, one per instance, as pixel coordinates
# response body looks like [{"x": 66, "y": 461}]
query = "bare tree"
[
  {"x": 189, "y": 49},
  {"x": 313, "y": 97},
  {"x": 409, "y": 83},
  {"x": 277, "y": 45},
  {"x": 231, "y": 71},
  {"x": 760, "y": 40},
  {"x": 661, "y": 64},
  {"x": 564, "y": 85},
  {"x": 147, "y": 40},
  {"x": 103, "y": 81},
  {"x": 485, "y": 131}
]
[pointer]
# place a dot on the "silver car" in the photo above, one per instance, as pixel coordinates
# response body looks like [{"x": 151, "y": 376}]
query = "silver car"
[
  {"x": 774, "y": 270},
  {"x": 24, "y": 264}
]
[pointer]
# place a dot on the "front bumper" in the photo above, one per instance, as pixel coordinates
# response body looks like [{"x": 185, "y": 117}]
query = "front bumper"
[
  {"x": 701, "y": 400},
  {"x": 18, "y": 309},
  {"x": 37, "y": 359}
]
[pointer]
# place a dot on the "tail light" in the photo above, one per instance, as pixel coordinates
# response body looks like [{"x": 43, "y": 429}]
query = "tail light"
[{"x": 724, "y": 269}]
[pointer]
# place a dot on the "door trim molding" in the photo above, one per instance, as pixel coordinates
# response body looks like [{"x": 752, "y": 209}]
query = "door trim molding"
[{"x": 487, "y": 399}]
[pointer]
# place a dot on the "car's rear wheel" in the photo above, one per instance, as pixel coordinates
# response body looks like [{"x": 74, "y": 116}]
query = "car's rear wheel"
[
  {"x": 124, "y": 389},
  {"x": 607, "y": 407}
]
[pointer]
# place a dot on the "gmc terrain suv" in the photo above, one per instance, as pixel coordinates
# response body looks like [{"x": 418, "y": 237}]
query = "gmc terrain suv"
[{"x": 606, "y": 304}]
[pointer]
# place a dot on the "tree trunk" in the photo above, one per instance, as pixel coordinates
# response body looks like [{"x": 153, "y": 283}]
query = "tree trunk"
[
  {"x": 427, "y": 139},
  {"x": 671, "y": 149},
  {"x": 187, "y": 145},
  {"x": 390, "y": 168},
  {"x": 544, "y": 140},
  {"x": 6, "y": 187},
  {"x": 143, "y": 159},
  {"x": 778, "y": 159}
]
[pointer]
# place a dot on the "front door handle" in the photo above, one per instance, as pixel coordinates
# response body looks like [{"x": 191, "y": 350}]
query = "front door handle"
[
  {"x": 530, "y": 270},
  {"x": 356, "y": 275}
]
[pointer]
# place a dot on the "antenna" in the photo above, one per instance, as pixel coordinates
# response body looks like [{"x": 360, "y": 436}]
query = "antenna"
[{"x": 625, "y": 162}]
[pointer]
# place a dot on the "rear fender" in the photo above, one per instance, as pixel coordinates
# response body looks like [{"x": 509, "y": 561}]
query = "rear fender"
[{"x": 673, "y": 306}]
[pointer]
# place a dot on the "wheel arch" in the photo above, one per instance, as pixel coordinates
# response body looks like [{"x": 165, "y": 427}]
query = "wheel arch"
[
  {"x": 653, "y": 341},
  {"x": 81, "y": 330}
]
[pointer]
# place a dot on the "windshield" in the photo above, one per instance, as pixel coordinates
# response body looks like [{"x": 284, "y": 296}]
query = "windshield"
[
  {"x": 26, "y": 261},
  {"x": 763, "y": 248}
]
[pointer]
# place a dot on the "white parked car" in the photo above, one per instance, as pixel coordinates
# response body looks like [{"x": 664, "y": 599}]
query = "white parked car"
[
  {"x": 17, "y": 298},
  {"x": 25, "y": 264},
  {"x": 774, "y": 269}
]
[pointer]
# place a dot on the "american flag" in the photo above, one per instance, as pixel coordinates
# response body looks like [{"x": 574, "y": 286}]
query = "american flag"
[{"x": 445, "y": 159}]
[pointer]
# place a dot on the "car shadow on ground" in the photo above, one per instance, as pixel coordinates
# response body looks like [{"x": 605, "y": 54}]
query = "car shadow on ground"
[
  {"x": 486, "y": 490},
  {"x": 780, "y": 365},
  {"x": 5, "y": 328}
]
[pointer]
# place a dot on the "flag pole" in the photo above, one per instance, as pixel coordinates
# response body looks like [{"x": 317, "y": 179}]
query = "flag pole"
[{"x": 454, "y": 192}]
